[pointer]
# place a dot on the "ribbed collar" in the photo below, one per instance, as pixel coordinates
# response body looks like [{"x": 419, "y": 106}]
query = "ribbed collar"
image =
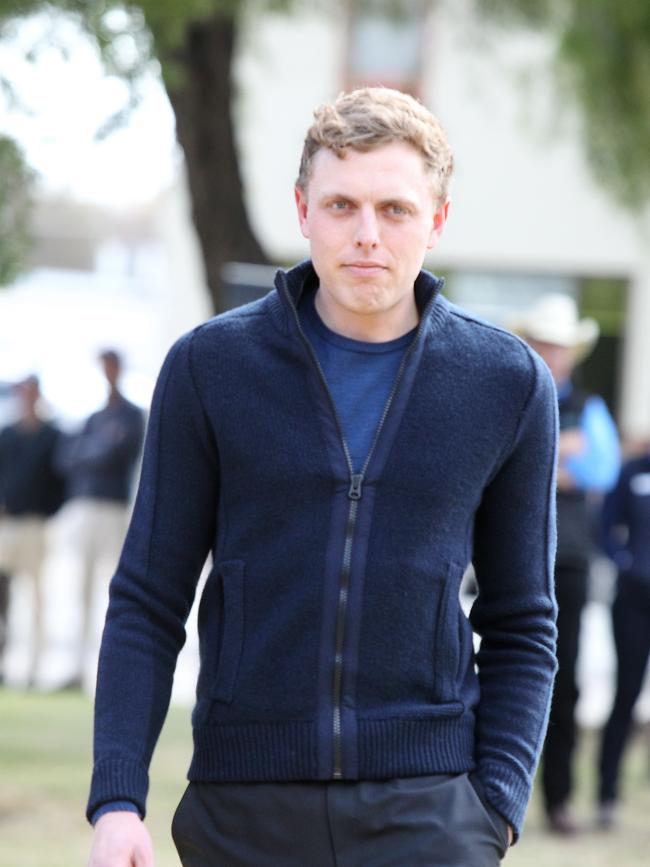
[{"x": 291, "y": 284}]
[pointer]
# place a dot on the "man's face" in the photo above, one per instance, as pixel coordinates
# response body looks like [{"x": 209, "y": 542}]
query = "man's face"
[
  {"x": 558, "y": 358},
  {"x": 111, "y": 368},
  {"x": 29, "y": 393},
  {"x": 370, "y": 218}
]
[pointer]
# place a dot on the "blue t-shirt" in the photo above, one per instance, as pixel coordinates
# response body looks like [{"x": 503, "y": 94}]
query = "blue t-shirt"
[{"x": 360, "y": 376}]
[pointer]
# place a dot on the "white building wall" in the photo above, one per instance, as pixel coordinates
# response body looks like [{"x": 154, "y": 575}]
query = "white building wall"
[
  {"x": 287, "y": 66},
  {"x": 635, "y": 409},
  {"x": 183, "y": 286},
  {"x": 523, "y": 198}
]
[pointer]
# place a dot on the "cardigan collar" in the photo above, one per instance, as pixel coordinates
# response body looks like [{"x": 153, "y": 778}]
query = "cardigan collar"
[{"x": 291, "y": 284}]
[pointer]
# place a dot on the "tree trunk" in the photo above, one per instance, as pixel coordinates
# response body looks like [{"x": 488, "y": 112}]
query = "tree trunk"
[{"x": 202, "y": 103}]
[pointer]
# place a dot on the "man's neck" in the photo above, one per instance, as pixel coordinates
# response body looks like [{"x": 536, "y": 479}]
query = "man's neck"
[
  {"x": 114, "y": 397},
  {"x": 31, "y": 421},
  {"x": 380, "y": 327}
]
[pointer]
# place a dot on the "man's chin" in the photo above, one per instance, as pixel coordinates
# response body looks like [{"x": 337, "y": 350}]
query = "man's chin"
[
  {"x": 366, "y": 307},
  {"x": 365, "y": 293}
]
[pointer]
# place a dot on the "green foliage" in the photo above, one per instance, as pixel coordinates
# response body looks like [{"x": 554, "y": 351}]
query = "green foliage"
[
  {"x": 154, "y": 27},
  {"x": 15, "y": 201},
  {"x": 603, "y": 61},
  {"x": 394, "y": 9},
  {"x": 518, "y": 12},
  {"x": 605, "y": 299},
  {"x": 14, "y": 8},
  {"x": 132, "y": 36}
]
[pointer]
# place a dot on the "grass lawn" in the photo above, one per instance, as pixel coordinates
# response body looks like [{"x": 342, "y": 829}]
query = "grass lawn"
[
  {"x": 45, "y": 754},
  {"x": 45, "y": 760}
]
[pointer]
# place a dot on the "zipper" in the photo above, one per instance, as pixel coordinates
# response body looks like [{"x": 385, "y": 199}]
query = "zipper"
[{"x": 355, "y": 493}]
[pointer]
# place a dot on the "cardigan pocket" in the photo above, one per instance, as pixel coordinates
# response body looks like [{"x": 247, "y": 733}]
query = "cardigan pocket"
[
  {"x": 448, "y": 640},
  {"x": 230, "y": 574}
]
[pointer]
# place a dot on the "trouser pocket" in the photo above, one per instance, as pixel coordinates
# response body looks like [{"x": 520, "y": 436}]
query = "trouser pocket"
[
  {"x": 179, "y": 825},
  {"x": 496, "y": 820}
]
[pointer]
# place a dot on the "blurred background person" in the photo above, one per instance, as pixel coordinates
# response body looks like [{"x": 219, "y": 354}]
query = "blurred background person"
[
  {"x": 98, "y": 465},
  {"x": 589, "y": 460},
  {"x": 30, "y": 492},
  {"x": 626, "y": 540}
]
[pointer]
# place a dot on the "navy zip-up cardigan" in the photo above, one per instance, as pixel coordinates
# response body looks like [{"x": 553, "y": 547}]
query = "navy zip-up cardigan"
[{"x": 332, "y": 642}]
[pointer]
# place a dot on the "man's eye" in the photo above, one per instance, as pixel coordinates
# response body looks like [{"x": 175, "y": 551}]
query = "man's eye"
[
  {"x": 340, "y": 205},
  {"x": 397, "y": 210}
]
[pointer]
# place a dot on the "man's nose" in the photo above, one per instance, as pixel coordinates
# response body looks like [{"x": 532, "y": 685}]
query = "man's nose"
[{"x": 367, "y": 229}]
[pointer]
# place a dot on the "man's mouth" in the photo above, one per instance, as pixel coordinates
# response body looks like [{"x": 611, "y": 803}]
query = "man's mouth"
[{"x": 365, "y": 266}]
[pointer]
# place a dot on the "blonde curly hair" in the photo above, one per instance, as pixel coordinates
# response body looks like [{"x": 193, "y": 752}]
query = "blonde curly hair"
[{"x": 374, "y": 116}]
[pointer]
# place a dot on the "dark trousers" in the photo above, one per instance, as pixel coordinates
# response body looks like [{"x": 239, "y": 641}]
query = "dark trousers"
[
  {"x": 431, "y": 821},
  {"x": 4, "y": 616},
  {"x": 557, "y": 758},
  {"x": 631, "y": 626}
]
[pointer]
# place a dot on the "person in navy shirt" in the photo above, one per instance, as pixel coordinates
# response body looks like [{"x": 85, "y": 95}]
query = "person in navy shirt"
[
  {"x": 98, "y": 464},
  {"x": 31, "y": 491},
  {"x": 626, "y": 540}
]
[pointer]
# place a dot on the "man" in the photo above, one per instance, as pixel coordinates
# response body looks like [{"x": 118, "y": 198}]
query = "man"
[
  {"x": 588, "y": 463},
  {"x": 30, "y": 493},
  {"x": 626, "y": 539},
  {"x": 343, "y": 448},
  {"x": 98, "y": 465}
]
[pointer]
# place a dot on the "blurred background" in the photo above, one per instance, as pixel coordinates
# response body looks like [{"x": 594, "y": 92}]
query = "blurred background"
[{"x": 148, "y": 153}]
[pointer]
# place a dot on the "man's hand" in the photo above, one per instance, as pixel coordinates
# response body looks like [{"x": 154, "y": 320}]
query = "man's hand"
[
  {"x": 511, "y": 835},
  {"x": 121, "y": 840}
]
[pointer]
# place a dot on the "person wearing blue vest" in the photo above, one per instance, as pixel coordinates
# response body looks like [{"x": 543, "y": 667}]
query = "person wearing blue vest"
[
  {"x": 343, "y": 449},
  {"x": 589, "y": 459}
]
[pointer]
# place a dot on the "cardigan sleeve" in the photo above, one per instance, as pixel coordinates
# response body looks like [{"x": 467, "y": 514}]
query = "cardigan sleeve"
[
  {"x": 515, "y": 610},
  {"x": 151, "y": 593}
]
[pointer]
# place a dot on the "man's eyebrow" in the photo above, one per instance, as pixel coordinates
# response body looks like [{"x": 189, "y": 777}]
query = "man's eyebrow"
[
  {"x": 383, "y": 203},
  {"x": 334, "y": 196},
  {"x": 406, "y": 203},
  {"x": 398, "y": 200}
]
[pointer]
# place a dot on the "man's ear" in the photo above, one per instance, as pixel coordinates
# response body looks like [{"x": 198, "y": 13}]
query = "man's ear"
[
  {"x": 302, "y": 208},
  {"x": 438, "y": 224}
]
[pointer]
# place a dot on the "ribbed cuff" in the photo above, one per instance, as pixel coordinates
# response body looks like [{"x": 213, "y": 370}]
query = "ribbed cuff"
[
  {"x": 508, "y": 792},
  {"x": 118, "y": 780}
]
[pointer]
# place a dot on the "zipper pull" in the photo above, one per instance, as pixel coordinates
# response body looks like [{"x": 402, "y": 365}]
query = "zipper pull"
[{"x": 356, "y": 480}]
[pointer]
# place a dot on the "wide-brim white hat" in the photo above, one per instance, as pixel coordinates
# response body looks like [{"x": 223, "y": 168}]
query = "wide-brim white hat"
[{"x": 554, "y": 319}]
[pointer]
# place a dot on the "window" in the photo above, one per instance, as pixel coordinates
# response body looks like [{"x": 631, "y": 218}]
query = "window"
[{"x": 385, "y": 44}]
